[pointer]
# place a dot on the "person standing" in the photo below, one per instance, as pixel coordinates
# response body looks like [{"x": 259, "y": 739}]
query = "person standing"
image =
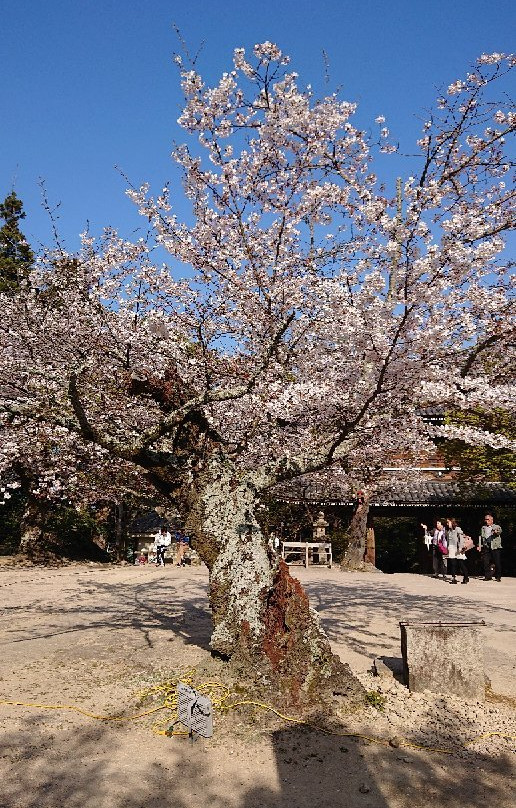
[
  {"x": 437, "y": 541},
  {"x": 454, "y": 535},
  {"x": 167, "y": 540},
  {"x": 466, "y": 543},
  {"x": 490, "y": 547},
  {"x": 162, "y": 540},
  {"x": 182, "y": 544},
  {"x": 274, "y": 542}
]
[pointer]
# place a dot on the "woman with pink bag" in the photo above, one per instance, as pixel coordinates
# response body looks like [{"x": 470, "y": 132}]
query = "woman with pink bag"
[
  {"x": 466, "y": 543},
  {"x": 437, "y": 540},
  {"x": 458, "y": 544}
]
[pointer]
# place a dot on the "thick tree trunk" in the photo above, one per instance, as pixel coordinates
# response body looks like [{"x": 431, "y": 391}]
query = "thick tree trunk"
[
  {"x": 262, "y": 619},
  {"x": 120, "y": 530},
  {"x": 32, "y": 527},
  {"x": 370, "y": 551},
  {"x": 355, "y": 555}
]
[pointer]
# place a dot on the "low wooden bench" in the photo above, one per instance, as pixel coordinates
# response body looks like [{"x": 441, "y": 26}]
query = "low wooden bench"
[{"x": 306, "y": 549}]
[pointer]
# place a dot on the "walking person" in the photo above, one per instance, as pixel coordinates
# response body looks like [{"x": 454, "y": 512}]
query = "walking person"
[
  {"x": 454, "y": 535},
  {"x": 182, "y": 544},
  {"x": 162, "y": 540},
  {"x": 437, "y": 541},
  {"x": 490, "y": 547},
  {"x": 274, "y": 542},
  {"x": 465, "y": 544},
  {"x": 428, "y": 543}
]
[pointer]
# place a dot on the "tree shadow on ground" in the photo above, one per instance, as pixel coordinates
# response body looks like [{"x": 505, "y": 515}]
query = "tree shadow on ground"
[
  {"x": 86, "y": 766},
  {"x": 347, "y": 614},
  {"x": 151, "y": 608},
  {"x": 176, "y": 605},
  {"x": 323, "y": 771},
  {"x": 48, "y": 761}
]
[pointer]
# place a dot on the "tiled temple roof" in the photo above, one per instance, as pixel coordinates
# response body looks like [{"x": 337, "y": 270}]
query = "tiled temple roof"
[
  {"x": 402, "y": 493},
  {"x": 430, "y": 492}
]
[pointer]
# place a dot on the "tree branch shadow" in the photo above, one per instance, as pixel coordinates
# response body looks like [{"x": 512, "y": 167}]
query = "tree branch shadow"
[{"x": 46, "y": 762}]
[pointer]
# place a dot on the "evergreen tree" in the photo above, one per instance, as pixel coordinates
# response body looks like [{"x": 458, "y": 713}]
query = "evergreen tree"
[{"x": 16, "y": 256}]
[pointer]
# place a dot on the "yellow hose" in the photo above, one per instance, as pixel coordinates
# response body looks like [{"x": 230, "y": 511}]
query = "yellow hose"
[
  {"x": 220, "y": 696},
  {"x": 75, "y": 709}
]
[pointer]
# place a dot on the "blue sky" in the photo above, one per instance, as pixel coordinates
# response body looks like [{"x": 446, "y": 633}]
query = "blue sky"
[{"x": 90, "y": 84}]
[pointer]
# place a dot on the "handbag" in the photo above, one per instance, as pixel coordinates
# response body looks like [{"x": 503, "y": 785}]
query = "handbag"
[
  {"x": 467, "y": 544},
  {"x": 442, "y": 548}
]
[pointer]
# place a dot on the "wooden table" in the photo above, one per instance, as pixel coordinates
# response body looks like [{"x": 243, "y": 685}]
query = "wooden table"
[{"x": 303, "y": 548}]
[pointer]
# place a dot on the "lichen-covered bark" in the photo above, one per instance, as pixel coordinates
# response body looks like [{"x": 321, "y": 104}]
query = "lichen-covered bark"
[
  {"x": 230, "y": 540},
  {"x": 238, "y": 558},
  {"x": 262, "y": 618},
  {"x": 355, "y": 555}
]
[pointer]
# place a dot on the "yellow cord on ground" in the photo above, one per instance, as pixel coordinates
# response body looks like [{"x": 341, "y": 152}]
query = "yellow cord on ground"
[
  {"x": 73, "y": 708},
  {"x": 220, "y": 696},
  {"x": 381, "y": 741},
  {"x": 490, "y": 735}
]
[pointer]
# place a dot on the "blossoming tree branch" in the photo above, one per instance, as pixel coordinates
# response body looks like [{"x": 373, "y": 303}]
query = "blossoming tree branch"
[{"x": 307, "y": 316}]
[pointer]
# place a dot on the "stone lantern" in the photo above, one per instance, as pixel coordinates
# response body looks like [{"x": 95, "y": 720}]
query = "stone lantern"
[
  {"x": 319, "y": 527},
  {"x": 319, "y": 534}
]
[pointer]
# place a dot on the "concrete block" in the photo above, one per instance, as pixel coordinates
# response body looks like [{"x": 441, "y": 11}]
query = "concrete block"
[{"x": 443, "y": 658}]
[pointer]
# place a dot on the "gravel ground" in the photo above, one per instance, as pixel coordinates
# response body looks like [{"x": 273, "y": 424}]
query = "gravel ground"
[{"x": 94, "y": 636}]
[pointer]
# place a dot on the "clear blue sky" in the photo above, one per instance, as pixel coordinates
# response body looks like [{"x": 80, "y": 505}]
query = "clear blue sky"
[{"x": 90, "y": 84}]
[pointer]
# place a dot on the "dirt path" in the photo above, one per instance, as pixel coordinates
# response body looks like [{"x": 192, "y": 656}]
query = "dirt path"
[
  {"x": 93, "y": 637},
  {"x": 361, "y": 614}
]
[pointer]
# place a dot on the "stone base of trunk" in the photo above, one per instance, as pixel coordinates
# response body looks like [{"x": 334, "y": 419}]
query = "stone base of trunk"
[
  {"x": 262, "y": 683},
  {"x": 357, "y": 566},
  {"x": 293, "y": 665}
]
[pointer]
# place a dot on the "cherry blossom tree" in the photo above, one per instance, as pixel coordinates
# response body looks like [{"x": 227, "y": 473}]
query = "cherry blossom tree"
[{"x": 304, "y": 320}]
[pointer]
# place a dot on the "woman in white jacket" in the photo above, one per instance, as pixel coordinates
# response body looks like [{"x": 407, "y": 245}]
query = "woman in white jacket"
[{"x": 454, "y": 537}]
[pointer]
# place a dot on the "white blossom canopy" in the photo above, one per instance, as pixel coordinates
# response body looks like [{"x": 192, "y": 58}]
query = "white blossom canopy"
[{"x": 305, "y": 314}]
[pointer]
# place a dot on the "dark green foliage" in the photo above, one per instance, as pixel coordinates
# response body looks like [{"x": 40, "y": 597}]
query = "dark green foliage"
[
  {"x": 339, "y": 543},
  {"x": 288, "y": 520},
  {"x": 11, "y": 513},
  {"x": 16, "y": 256},
  {"x": 482, "y": 462},
  {"x": 68, "y": 533},
  {"x": 73, "y": 534},
  {"x": 375, "y": 699},
  {"x": 399, "y": 544}
]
